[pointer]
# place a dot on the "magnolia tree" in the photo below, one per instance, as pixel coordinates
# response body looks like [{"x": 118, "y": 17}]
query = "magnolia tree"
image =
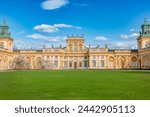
[
  {"x": 20, "y": 63},
  {"x": 43, "y": 64},
  {"x": 48, "y": 64}
]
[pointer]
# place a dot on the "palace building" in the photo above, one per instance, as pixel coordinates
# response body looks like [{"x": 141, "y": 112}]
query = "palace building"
[{"x": 75, "y": 55}]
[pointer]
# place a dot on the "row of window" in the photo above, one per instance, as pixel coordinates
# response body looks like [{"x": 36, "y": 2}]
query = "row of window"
[
  {"x": 111, "y": 63},
  {"x": 102, "y": 63},
  {"x": 147, "y": 45},
  {"x": 75, "y": 48},
  {"x": 75, "y": 58},
  {"x": 102, "y": 57},
  {"x": 75, "y": 64},
  {"x": 56, "y": 63},
  {"x": 56, "y": 57}
]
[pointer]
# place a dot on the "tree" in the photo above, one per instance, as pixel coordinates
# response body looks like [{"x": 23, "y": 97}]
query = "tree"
[
  {"x": 20, "y": 63},
  {"x": 43, "y": 64}
]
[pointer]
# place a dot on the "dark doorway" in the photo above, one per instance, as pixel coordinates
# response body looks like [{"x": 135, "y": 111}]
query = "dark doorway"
[{"x": 75, "y": 65}]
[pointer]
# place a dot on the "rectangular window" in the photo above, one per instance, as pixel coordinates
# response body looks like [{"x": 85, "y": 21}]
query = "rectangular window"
[
  {"x": 85, "y": 64},
  {"x": 48, "y": 57},
  {"x": 56, "y": 63},
  {"x": 75, "y": 58},
  {"x": 80, "y": 64},
  {"x": 94, "y": 57},
  {"x": 85, "y": 57},
  {"x": 56, "y": 57},
  {"x": 102, "y": 63},
  {"x": 70, "y": 64},
  {"x": 102, "y": 57},
  {"x": 94, "y": 63},
  {"x": 65, "y": 64},
  {"x": 65, "y": 57}
]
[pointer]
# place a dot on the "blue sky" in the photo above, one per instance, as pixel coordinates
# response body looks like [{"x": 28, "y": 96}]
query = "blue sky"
[{"x": 37, "y": 22}]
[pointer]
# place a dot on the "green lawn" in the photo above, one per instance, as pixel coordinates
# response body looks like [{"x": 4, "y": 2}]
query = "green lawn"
[{"x": 74, "y": 84}]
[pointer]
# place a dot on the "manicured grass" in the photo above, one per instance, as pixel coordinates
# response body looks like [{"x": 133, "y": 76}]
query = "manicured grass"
[{"x": 74, "y": 84}]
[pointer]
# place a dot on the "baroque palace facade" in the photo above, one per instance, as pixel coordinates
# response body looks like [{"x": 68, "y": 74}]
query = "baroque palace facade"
[{"x": 76, "y": 55}]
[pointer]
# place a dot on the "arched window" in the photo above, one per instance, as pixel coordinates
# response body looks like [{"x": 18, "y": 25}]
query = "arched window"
[
  {"x": 134, "y": 62},
  {"x": 70, "y": 47},
  {"x": 75, "y": 47},
  {"x": 111, "y": 62},
  {"x": 80, "y": 47},
  {"x": 147, "y": 44},
  {"x": 2, "y": 45}
]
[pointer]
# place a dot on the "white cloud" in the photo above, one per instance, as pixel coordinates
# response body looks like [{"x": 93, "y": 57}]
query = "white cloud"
[
  {"x": 123, "y": 44},
  {"x": 62, "y": 26},
  {"x": 54, "y": 4},
  {"x": 46, "y": 28},
  {"x": 124, "y": 36},
  {"x": 22, "y": 44},
  {"x": 46, "y": 38},
  {"x": 132, "y": 29},
  {"x": 100, "y": 38},
  {"x": 66, "y": 26},
  {"x": 53, "y": 28}
]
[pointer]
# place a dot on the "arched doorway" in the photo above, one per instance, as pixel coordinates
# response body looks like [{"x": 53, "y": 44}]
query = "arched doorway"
[
  {"x": 134, "y": 62},
  {"x": 122, "y": 62},
  {"x": 122, "y": 65},
  {"x": 28, "y": 64},
  {"x": 111, "y": 62}
]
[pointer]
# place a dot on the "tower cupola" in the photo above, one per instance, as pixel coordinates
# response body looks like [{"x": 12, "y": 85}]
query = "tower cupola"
[
  {"x": 144, "y": 38},
  {"x": 145, "y": 28},
  {"x": 6, "y": 42},
  {"x": 4, "y": 29}
]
